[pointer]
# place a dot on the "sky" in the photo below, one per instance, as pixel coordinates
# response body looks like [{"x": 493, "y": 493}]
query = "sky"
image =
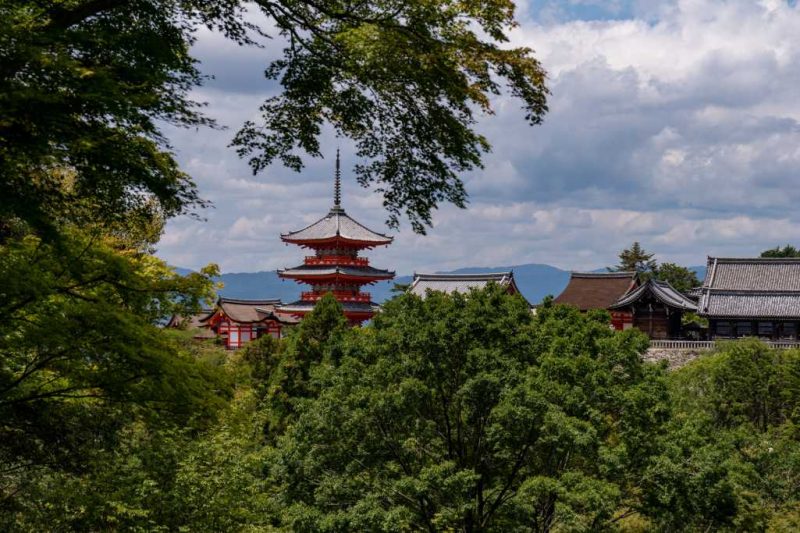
[{"x": 672, "y": 123}]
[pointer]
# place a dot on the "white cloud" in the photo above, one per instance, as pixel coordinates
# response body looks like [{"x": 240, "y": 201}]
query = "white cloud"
[{"x": 678, "y": 128}]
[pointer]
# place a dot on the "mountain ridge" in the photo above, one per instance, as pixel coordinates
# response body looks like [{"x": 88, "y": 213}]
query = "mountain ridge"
[{"x": 535, "y": 281}]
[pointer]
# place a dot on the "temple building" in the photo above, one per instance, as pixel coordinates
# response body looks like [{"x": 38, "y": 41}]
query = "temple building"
[
  {"x": 600, "y": 290},
  {"x": 236, "y": 322},
  {"x": 461, "y": 283},
  {"x": 656, "y": 308},
  {"x": 336, "y": 267},
  {"x": 752, "y": 298}
]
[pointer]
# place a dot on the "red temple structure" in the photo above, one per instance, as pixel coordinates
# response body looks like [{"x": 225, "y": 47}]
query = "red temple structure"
[{"x": 336, "y": 266}]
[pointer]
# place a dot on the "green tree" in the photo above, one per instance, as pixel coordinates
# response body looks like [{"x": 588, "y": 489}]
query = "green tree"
[
  {"x": 81, "y": 353},
  {"x": 314, "y": 342},
  {"x": 680, "y": 277},
  {"x": 636, "y": 259},
  {"x": 85, "y": 84},
  {"x": 466, "y": 412},
  {"x": 731, "y": 455},
  {"x": 786, "y": 251}
]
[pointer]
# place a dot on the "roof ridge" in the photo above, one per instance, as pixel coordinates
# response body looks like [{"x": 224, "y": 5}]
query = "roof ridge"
[
  {"x": 752, "y": 292},
  {"x": 501, "y": 274},
  {"x": 756, "y": 259},
  {"x": 613, "y": 274}
]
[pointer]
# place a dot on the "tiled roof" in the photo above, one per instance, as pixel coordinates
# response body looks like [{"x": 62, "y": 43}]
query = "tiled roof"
[
  {"x": 595, "y": 290},
  {"x": 753, "y": 287},
  {"x": 337, "y": 224},
  {"x": 461, "y": 283},
  {"x": 661, "y": 291},
  {"x": 245, "y": 311},
  {"x": 326, "y": 270},
  {"x": 730, "y": 304},
  {"x": 761, "y": 274}
]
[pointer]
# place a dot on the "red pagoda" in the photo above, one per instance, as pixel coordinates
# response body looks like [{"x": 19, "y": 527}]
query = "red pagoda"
[{"x": 336, "y": 266}]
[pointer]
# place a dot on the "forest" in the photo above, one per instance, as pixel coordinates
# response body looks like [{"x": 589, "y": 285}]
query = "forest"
[{"x": 449, "y": 413}]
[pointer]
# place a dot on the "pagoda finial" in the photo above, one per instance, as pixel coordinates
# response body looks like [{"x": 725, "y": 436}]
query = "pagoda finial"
[{"x": 337, "y": 186}]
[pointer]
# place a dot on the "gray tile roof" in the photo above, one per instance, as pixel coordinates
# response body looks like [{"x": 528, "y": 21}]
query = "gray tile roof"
[
  {"x": 461, "y": 283},
  {"x": 325, "y": 270},
  {"x": 337, "y": 224},
  {"x": 732, "y": 304},
  {"x": 661, "y": 291},
  {"x": 751, "y": 288},
  {"x": 760, "y": 274}
]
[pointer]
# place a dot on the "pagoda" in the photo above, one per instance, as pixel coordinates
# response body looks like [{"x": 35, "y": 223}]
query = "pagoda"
[{"x": 336, "y": 267}]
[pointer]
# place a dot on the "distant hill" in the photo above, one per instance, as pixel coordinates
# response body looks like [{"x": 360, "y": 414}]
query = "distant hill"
[{"x": 535, "y": 281}]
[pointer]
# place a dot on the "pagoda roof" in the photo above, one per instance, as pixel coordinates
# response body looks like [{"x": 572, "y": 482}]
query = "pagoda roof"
[
  {"x": 306, "y": 306},
  {"x": 325, "y": 271},
  {"x": 461, "y": 283},
  {"x": 337, "y": 225},
  {"x": 595, "y": 290},
  {"x": 661, "y": 291}
]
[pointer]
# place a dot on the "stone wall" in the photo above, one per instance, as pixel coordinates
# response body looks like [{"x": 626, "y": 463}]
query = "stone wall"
[{"x": 676, "y": 357}]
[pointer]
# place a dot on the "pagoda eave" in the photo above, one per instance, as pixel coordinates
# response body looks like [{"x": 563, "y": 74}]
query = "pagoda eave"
[
  {"x": 332, "y": 278},
  {"x": 339, "y": 241}
]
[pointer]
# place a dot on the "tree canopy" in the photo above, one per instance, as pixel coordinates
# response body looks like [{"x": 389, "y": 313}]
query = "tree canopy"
[
  {"x": 786, "y": 251},
  {"x": 467, "y": 413},
  {"x": 637, "y": 259},
  {"x": 85, "y": 85}
]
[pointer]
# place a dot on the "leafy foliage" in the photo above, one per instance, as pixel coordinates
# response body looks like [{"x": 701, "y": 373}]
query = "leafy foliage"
[
  {"x": 731, "y": 459},
  {"x": 466, "y": 412},
  {"x": 85, "y": 84},
  {"x": 81, "y": 355},
  {"x": 786, "y": 251},
  {"x": 636, "y": 259},
  {"x": 402, "y": 79},
  {"x": 680, "y": 277}
]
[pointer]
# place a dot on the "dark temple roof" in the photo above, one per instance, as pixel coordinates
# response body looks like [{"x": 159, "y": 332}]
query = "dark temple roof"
[
  {"x": 461, "y": 283},
  {"x": 661, "y": 291},
  {"x": 751, "y": 288},
  {"x": 247, "y": 311},
  {"x": 595, "y": 290},
  {"x": 194, "y": 321}
]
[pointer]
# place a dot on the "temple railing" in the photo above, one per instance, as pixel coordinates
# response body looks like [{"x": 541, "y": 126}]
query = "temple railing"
[
  {"x": 342, "y": 296},
  {"x": 679, "y": 344},
  {"x": 336, "y": 260}
]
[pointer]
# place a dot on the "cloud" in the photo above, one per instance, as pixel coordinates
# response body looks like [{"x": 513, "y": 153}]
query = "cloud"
[{"x": 672, "y": 123}]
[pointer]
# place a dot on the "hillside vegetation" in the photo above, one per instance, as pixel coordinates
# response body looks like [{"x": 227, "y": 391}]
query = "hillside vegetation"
[{"x": 448, "y": 413}]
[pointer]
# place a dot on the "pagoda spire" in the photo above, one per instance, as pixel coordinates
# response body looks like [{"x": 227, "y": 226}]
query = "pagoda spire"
[{"x": 337, "y": 185}]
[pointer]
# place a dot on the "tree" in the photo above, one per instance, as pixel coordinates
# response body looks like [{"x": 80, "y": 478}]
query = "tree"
[
  {"x": 465, "y": 412},
  {"x": 81, "y": 353},
  {"x": 731, "y": 456},
  {"x": 636, "y": 259},
  {"x": 680, "y": 277},
  {"x": 314, "y": 342},
  {"x": 786, "y": 251},
  {"x": 84, "y": 86}
]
